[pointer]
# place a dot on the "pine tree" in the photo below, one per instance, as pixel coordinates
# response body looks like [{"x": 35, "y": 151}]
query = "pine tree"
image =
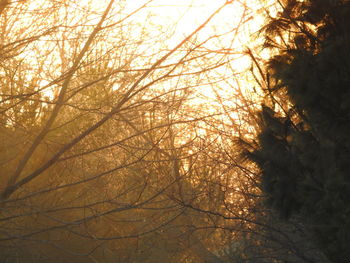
[{"x": 304, "y": 148}]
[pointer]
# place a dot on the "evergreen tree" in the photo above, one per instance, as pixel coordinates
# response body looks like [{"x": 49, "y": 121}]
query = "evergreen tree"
[{"x": 304, "y": 145}]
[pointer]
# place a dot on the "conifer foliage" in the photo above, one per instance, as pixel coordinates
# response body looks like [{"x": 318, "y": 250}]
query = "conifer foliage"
[{"x": 304, "y": 145}]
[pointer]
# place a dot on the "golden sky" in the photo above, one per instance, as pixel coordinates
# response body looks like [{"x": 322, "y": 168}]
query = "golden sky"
[{"x": 234, "y": 24}]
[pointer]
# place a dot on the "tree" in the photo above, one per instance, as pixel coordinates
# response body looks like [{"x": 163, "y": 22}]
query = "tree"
[
  {"x": 303, "y": 138},
  {"x": 97, "y": 134}
]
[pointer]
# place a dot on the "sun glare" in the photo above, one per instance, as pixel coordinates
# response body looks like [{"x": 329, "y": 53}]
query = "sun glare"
[
  {"x": 232, "y": 27},
  {"x": 187, "y": 15},
  {"x": 228, "y": 34}
]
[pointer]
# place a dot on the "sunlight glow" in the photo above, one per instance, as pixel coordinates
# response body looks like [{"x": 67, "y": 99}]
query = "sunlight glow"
[
  {"x": 234, "y": 28},
  {"x": 227, "y": 35}
]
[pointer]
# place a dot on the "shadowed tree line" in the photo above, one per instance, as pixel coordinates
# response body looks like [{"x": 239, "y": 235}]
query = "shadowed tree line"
[{"x": 303, "y": 143}]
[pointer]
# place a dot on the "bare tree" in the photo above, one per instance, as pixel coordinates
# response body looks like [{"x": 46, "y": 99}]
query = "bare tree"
[{"x": 93, "y": 135}]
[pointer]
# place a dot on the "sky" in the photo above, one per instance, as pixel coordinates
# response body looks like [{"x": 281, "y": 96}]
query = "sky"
[
  {"x": 188, "y": 14},
  {"x": 236, "y": 23}
]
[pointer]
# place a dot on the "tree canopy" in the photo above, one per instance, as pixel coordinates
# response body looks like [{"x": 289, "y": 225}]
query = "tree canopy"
[{"x": 304, "y": 139}]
